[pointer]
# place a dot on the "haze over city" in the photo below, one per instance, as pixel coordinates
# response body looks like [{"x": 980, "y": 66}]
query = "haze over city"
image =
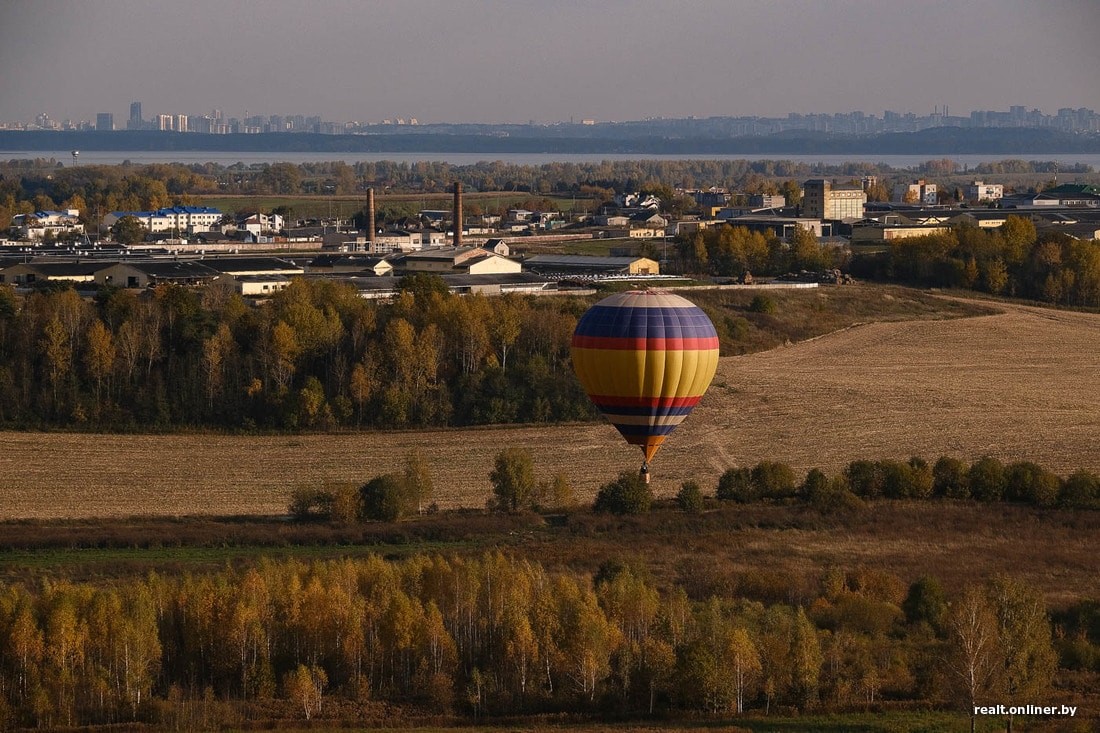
[{"x": 520, "y": 61}]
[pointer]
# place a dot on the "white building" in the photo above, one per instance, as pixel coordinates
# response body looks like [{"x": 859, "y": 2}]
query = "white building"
[
  {"x": 171, "y": 219},
  {"x": 260, "y": 223},
  {"x": 396, "y": 241},
  {"x": 41, "y": 223},
  {"x": 979, "y": 191},
  {"x": 917, "y": 192}
]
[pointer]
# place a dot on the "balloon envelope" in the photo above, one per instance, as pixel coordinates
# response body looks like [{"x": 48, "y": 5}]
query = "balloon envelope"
[{"x": 645, "y": 358}]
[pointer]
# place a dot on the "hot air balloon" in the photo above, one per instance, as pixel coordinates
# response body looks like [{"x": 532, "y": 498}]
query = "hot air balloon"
[{"x": 645, "y": 357}]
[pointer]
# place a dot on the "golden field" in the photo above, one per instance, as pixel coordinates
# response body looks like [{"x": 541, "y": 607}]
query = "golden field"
[{"x": 1020, "y": 384}]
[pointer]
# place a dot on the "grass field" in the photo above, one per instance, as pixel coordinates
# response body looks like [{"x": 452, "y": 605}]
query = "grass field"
[
  {"x": 763, "y": 552},
  {"x": 1017, "y": 385}
]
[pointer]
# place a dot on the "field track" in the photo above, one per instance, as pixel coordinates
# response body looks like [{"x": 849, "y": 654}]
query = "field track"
[{"x": 1022, "y": 384}]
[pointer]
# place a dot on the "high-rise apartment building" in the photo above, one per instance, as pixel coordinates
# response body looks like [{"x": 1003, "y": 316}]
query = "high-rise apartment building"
[
  {"x": 104, "y": 121},
  {"x": 135, "y": 122}
]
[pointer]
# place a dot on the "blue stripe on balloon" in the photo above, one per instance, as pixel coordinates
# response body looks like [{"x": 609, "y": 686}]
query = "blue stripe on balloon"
[{"x": 626, "y": 322}]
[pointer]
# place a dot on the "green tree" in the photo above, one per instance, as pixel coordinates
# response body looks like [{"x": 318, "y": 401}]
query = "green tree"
[
  {"x": 926, "y": 602},
  {"x": 773, "y": 480},
  {"x": 1026, "y": 653},
  {"x": 628, "y": 494},
  {"x": 865, "y": 479},
  {"x": 987, "y": 479},
  {"x": 386, "y": 498},
  {"x": 950, "y": 478},
  {"x": 281, "y": 178},
  {"x": 422, "y": 285},
  {"x": 1031, "y": 483},
  {"x": 814, "y": 485},
  {"x": 128, "y": 230},
  {"x": 1081, "y": 490},
  {"x": 735, "y": 484},
  {"x": 805, "y": 250},
  {"x": 1018, "y": 233},
  {"x": 690, "y": 497},
  {"x": 762, "y": 304},
  {"x": 806, "y": 658},
  {"x": 513, "y": 480},
  {"x": 560, "y": 493}
]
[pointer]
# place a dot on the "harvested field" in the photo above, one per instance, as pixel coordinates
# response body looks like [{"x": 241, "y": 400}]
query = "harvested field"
[{"x": 1017, "y": 385}]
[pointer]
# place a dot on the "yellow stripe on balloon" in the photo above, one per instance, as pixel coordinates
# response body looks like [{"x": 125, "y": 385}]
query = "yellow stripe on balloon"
[{"x": 617, "y": 373}]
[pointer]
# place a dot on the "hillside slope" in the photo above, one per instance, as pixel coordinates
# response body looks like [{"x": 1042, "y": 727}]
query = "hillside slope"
[{"x": 1017, "y": 385}]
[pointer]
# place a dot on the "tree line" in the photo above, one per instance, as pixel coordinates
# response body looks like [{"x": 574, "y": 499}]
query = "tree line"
[
  {"x": 390, "y": 497},
  {"x": 1013, "y": 259},
  {"x": 29, "y": 185},
  {"x": 985, "y": 480},
  {"x": 316, "y": 356},
  {"x": 733, "y": 251},
  {"x": 496, "y": 635}
]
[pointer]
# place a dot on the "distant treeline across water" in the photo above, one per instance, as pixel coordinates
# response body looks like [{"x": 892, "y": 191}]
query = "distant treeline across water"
[
  {"x": 938, "y": 142},
  {"x": 1065, "y": 161}
]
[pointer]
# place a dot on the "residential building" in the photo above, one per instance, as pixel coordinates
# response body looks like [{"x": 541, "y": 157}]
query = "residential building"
[
  {"x": 822, "y": 199},
  {"x": 104, "y": 121},
  {"x": 172, "y": 218},
  {"x": 259, "y": 223},
  {"x": 41, "y": 223},
  {"x": 713, "y": 197},
  {"x": 979, "y": 191},
  {"x": 135, "y": 122},
  {"x": 917, "y": 192},
  {"x": 650, "y": 219}
]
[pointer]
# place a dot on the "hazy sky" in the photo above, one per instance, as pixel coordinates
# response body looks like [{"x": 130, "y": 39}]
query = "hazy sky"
[{"x": 543, "y": 60}]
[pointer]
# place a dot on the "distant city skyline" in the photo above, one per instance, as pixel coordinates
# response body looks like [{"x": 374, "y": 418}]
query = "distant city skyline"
[
  {"x": 515, "y": 61},
  {"x": 218, "y": 122}
]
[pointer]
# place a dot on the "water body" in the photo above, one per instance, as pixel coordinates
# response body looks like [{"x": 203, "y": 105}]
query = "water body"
[{"x": 112, "y": 157}]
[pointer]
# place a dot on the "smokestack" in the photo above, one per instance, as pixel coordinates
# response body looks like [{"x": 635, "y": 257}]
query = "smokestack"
[
  {"x": 370, "y": 217},
  {"x": 458, "y": 214}
]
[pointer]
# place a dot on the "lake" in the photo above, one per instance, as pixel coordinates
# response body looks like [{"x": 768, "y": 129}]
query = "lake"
[{"x": 111, "y": 157}]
